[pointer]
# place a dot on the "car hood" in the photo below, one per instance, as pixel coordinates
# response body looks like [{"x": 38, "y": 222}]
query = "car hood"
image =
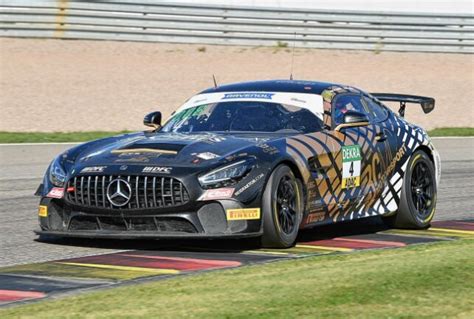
[{"x": 170, "y": 149}]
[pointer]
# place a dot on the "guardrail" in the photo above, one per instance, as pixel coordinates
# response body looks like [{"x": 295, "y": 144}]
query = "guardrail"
[{"x": 127, "y": 20}]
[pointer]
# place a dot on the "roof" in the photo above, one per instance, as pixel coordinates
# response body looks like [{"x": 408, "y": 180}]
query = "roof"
[{"x": 296, "y": 86}]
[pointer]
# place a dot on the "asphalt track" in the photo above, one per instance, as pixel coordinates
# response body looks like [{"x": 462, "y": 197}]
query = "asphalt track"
[{"x": 22, "y": 168}]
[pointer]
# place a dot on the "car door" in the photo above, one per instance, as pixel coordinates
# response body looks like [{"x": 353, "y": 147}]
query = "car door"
[
  {"x": 357, "y": 153},
  {"x": 384, "y": 145}
]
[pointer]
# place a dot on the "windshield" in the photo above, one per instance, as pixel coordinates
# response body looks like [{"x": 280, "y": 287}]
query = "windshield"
[{"x": 244, "y": 116}]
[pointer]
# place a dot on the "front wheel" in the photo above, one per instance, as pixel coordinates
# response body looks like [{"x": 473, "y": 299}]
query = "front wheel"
[
  {"x": 418, "y": 196},
  {"x": 282, "y": 208}
]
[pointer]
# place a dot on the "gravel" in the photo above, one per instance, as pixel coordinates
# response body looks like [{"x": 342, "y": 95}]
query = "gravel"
[{"x": 66, "y": 85}]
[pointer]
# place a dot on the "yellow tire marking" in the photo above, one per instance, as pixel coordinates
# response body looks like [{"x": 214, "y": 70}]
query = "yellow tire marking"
[
  {"x": 275, "y": 216},
  {"x": 126, "y": 268},
  {"x": 430, "y": 216},
  {"x": 324, "y": 248},
  {"x": 414, "y": 161}
]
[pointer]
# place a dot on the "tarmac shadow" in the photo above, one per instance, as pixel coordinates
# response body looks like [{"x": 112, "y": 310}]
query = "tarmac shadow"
[{"x": 350, "y": 228}]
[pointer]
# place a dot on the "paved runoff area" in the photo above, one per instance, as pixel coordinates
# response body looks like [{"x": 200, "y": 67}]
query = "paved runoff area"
[{"x": 32, "y": 270}]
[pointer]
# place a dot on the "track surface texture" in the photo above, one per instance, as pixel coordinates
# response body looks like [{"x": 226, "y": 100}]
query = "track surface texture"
[{"x": 22, "y": 168}]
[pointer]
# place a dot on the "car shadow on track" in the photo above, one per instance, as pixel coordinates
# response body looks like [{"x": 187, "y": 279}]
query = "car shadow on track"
[{"x": 344, "y": 229}]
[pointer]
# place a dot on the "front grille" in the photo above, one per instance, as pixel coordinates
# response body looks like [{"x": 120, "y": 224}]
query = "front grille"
[{"x": 146, "y": 192}]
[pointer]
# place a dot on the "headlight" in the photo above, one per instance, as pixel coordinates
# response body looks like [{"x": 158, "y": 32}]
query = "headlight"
[
  {"x": 57, "y": 175},
  {"x": 227, "y": 175}
]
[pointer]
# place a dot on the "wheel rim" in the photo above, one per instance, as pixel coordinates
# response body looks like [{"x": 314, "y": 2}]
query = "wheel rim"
[
  {"x": 422, "y": 189},
  {"x": 286, "y": 205}
]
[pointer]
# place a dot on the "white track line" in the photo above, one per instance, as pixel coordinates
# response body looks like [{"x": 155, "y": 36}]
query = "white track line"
[
  {"x": 40, "y": 144},
  {"x": 17, "y": 178},
  {"x": 450, "y": 137}
]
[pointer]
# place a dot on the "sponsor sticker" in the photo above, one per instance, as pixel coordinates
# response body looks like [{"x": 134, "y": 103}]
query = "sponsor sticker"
[
  {"x": 271, "y": 150},
  {"x": 250, "y": 95},
  {"x": 93, "y": 169},
  {"x": 219, "y": 193},
  {"x": 398, "y": 157},
  {"x": 235, "y": 156},
  {"x": 298, "y": 100},
  {"x": 137, "y": 159},
  {"x": 56, "y": 192},
  {"x": 43, "y": 211},
  {"x": 351, "y": 162},
  {"x": 249, "y": 184},
  {"x": 243, "y": 214},
  {"x": 315, "y": 217},
  {"x": 157, "y": 169}
]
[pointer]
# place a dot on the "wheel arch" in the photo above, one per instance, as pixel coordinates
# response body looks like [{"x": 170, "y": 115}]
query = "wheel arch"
[
  {"x": 426, "y": 150},
  {"x": 296, "y": 171},
  {"x": 434, "y": 157},
  {"x": 294, "y": 168}
]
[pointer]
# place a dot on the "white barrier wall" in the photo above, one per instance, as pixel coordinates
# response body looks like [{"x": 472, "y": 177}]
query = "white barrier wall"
[
  {"x": 428, "y": 6},
  {"x": 214, "y": 23}
]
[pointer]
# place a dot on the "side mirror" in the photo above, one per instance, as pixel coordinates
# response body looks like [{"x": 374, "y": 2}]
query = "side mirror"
[
  {"x": 352, "y": 119},
  {"x": 153, "y": 119}
]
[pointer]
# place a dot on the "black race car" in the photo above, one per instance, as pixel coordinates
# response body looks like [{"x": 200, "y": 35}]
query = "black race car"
[{"x": 257, "y": 159}]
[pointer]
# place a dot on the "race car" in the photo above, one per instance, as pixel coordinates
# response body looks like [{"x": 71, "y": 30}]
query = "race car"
[{"x": 255, "y": 159}]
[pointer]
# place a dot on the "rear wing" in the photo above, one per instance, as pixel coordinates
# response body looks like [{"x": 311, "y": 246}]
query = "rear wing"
[{"x": 427, "y": 103}]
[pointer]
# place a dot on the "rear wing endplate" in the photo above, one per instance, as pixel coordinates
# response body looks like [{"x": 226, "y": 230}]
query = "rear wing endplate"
[{"x": 427, "y": 103}]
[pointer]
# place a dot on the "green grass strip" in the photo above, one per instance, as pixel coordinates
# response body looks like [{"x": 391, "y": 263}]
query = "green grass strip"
[
  {"x": 56, "y": 137},
  {"x": 452, "y": 131},
  {"x": 419, "y": 281}
]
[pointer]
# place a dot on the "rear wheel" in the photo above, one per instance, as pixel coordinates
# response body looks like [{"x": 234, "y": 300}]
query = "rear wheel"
[
  {"x": 418, "y": 196},
  {"x": 282, "y": 208}
]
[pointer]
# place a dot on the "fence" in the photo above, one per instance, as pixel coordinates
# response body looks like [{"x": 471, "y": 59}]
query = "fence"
[{"x": 127, "y": 20}]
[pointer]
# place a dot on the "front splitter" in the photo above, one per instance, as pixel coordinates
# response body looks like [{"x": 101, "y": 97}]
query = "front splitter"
[{"x": 144, "y": 235}]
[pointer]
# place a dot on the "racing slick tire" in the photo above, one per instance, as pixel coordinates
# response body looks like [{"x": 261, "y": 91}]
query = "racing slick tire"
[
  {"x": 418, "y": 196},
  {"x": 282, "y": 208}
]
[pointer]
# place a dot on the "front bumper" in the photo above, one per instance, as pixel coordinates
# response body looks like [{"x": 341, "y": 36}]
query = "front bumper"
[{"x": 206, "y": 220}]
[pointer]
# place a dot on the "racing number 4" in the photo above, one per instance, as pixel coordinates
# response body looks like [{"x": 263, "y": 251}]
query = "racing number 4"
[{"x": 351, "y": 164}]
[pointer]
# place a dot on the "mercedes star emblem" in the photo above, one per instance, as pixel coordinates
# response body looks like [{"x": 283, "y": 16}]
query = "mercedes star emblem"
[{"x": 119, "y": 192}]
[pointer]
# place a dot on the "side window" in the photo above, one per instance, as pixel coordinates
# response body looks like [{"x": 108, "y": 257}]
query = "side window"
[
  {"x": 375, "y": 111},
  {"x": 344, "y": 103}
]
